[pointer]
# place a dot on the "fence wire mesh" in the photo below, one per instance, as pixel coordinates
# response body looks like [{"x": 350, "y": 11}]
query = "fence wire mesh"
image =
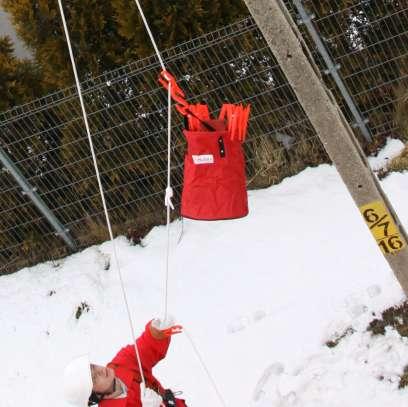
[
  {"x": 368, "y": 41},
  {"x": 127, "y": 111}
]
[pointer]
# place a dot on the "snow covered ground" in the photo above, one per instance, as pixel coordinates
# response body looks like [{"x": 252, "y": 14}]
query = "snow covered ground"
[{"x": 259, "y": 297}]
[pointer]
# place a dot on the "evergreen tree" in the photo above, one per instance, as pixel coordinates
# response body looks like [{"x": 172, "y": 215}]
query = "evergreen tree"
[
  {"x": 172, "y": 21},
  {"x": 222, "y": 12},
  {"x": 106, "y": 34},
  {"x": 92, "y": 29},
  {"x": 18, "y": 78}
]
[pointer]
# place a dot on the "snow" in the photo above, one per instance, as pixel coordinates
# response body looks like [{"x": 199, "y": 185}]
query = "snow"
[
  {"x": 258, "y": 298},
  {"x": 392, "y": 149}
]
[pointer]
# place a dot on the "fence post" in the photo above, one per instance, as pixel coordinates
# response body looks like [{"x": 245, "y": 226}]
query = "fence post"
[
  {"x": 36, "y": 199},
  {"x": 332, "y": 69},
  {"x": 293, "y": 56}
]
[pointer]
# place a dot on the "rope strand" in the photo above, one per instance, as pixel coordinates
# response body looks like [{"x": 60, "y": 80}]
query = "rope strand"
[
  {"x": 88, "y": 132},
  {"x": 168, "y": 196},
  {"x": 169, "y": 190},
  {"x": 212, "y": 381},
  {"x": 156, "y": 49},
  {"x": 168, "y": 203}
]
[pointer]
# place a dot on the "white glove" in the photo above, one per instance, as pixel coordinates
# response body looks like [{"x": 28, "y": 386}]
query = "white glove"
[
  {"x": 166, "y": 323},
  {"x": 167, "y": 326},
  {"x": 149, "y": 397}
]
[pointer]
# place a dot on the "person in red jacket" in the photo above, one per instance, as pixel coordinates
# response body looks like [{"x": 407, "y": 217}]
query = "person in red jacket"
[{"x": 119, "y": 383}]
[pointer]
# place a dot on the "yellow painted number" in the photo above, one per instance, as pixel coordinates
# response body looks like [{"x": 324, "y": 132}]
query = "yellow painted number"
[{"x": 382, "y": 227}]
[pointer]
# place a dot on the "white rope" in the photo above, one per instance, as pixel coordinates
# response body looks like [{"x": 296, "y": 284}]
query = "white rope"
[
  {"x": 156, "y": 49},
  {"x": 168, "y": 203},
  {"x": 88, "y": 131},
  {"x": 167, "y": 200},
  {"x": 212, "y": 381},
  {"x": 169, "y": 191}
]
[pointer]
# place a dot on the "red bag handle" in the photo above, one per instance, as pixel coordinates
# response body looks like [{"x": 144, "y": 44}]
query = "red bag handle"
[
  {"x": 236, "y": 115},
  {"x": 166, "y": 78}
]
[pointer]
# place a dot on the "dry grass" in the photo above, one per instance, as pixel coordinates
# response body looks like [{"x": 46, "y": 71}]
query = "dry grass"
[
  {"x": 394, "y": 317},
  {"x": 134, "y": 225},
  {"x": 400, "y": 163},
  {"x": 397, "y": 318},
  {"x": 36, "y": 249},
  {"x": 397, "y": 164},
  {"x": 271, "y": 162},
  {"x": 332, "y": 343},
  {"x": 268, "y": 161},
  {"x": 401, "y": 110}
]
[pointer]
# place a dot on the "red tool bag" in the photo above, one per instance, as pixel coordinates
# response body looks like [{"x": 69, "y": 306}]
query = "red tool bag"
[{"x": 214, "y": 185}]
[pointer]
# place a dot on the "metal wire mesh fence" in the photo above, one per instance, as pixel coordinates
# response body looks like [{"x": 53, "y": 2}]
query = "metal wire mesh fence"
[
  {"x": 127, "y": 112},
  {"x": 368, "y": 42}
]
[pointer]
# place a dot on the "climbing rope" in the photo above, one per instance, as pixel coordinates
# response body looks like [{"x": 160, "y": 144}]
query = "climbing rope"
[
  {"x": 88, "y": 132},
  {"x": 169, "y": 191},
  {"x": 167, "y": 200},
  {"x": 146, "y": 24},
  {"x": 201, "y": 360}
]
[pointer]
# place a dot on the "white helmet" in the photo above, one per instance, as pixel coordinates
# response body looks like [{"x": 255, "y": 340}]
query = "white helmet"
[{"x": 78, "y": 381}]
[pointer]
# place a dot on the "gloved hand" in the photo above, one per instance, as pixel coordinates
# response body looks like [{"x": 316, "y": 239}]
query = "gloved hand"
[
  {"x": 167, "y": 326},
  {"x": 149, "y": 397}
]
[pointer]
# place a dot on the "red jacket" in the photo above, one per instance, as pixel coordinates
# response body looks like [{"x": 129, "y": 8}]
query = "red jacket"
[{"x": 126, "y": 368}]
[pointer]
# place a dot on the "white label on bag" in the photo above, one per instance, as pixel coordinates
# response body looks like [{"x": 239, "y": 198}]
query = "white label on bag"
[{"x": 203, "y": 159}]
